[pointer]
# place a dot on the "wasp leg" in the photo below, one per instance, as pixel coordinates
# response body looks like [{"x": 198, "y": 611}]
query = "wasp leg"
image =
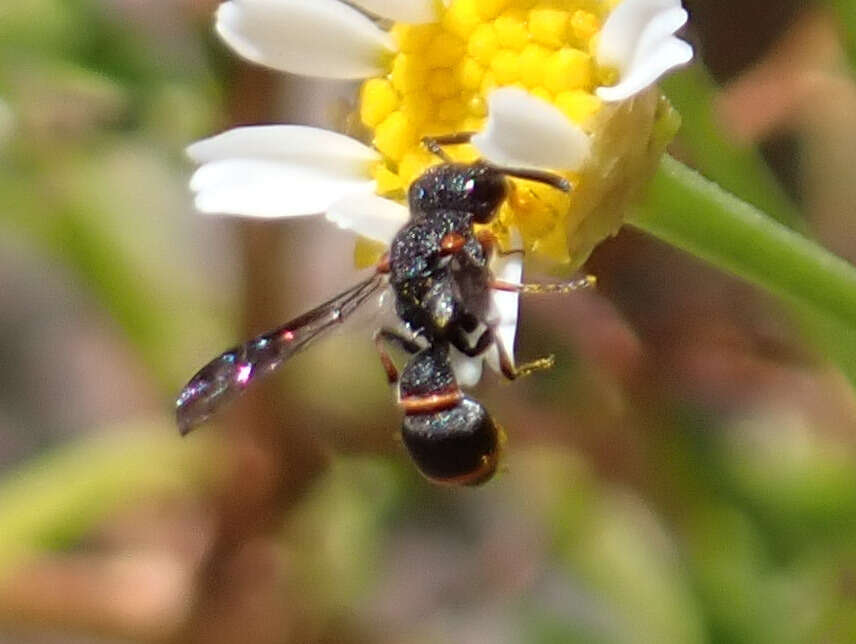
[
  {"x": 389, "y": 335},
  {"x": 469, "y": 323},
  {"x": 539, "y": 289},
  {"x": 434, "y": 143},
  {"x": 513, "y": 373},
  {"x": 490, "y": 245},
  {"x": 462, "y": 343}
]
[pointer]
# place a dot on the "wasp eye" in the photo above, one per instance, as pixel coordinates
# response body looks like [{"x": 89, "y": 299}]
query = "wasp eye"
[{"x": 485, "y": 194}]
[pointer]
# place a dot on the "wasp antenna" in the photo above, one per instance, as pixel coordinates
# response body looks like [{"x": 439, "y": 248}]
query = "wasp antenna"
[
  {"x": 434, "y": 143},
  {"x": 541, "y": 176}
]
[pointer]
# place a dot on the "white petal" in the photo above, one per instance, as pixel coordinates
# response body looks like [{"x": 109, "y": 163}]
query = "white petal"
[
  {"x": 324, "y": 38},
  {"x": 296, "y": 143},
  {"x": 468, "y": 371},
  {"x": 638, "y": 38},
  {"x": 620, "y": 34},
  {"x": 412, "y": 11},
  {"x": 261, "y": 188},
  {"x": 369, "y": 215},
  {"x": 523, "y": 130},
  {"x": 666, "y": 56},
  {"x": 505, "y": 305},
  {"x": 278, "y": 170}
]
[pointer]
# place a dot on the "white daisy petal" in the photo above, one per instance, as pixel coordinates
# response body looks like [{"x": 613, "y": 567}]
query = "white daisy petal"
[
  {"x": 412, "y": 11},
  {"x": 324, "y": 38},
  {"x": 523, "y": 130},
  {"x": 468, "y": 371},
  {"x": 638, "y": 39},
  {"x": 369, "y": 215},
  {"x": 278, "y": 170},
  {"x": 666, "y": 56},
  {"x": 295, "y": 143},
  {"x": 262, "y": 188},
  {"x": 505, "y": 305}
]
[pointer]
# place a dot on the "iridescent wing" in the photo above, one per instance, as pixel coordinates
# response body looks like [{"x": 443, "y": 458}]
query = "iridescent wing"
[{"x": 225, "y": 378}]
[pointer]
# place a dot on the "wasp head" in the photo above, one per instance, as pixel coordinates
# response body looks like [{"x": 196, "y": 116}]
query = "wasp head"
[{"x": 476, "y": 188}]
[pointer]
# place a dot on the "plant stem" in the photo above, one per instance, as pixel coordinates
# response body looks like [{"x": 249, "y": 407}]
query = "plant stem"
[{"x": 694, "y": 214}]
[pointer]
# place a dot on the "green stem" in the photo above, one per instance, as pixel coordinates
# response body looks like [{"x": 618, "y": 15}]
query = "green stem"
[
  {"x": 738, "y": 168},
  {"x": 692, "y": 213}
]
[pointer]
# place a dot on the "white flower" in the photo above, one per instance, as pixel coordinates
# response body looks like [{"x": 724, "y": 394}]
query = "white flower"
[
  {"x": 288, "y": 170},
  {"x": 638, "y": 39},
  {"x": 330, "y": 39}
]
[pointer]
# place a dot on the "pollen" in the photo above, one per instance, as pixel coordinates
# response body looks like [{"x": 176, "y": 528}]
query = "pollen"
[
  {"x": 533, "y": 60},
  {"x": 489, "y": 9},
  {"x": 414, "y": 163},
  {"x": 506, "y": 67},
  {"x": 451, "y": 110},
  {"x": 442, "y": 84},
  {"x": 367, "y": 252},
  {"x": 415, "y": 109},
  {"x": 413, "y": 38},
  {"x": 549, "y": 26},
  {"x": 578, "y": 105},
  {"x": 439, "y": 79},
  {"x": 568, "y": 69},
  {"x": 388, "y": 182},
  {"x": 469, "y": 73},
  {"x": 511, "y": 29},
  {"x": 584, "y": 25},
  {"x": 462, "y": 17},
  {"x": 484, "y": 44},
  {"x": 444, "y": 51},
  {"x": 476, "y": 106},
  {"x": 378, "y": 99},
  {"x": 408, "y": 74},
  {"x": 394, "y": 136}
]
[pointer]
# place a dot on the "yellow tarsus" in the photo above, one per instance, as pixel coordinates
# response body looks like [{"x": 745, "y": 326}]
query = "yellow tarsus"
[{"x": 540, "y": 364}]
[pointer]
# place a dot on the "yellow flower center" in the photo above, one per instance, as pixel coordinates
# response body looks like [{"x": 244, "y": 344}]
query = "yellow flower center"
[{"x": 439, "y": 80}]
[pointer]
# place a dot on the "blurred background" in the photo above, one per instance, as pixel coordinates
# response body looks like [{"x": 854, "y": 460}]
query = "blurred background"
[{"x": 686, "y": 473}]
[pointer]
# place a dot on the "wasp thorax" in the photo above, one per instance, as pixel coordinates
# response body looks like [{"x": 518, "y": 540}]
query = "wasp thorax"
[
  {"x": 477, "y": 188},
  {"x": 459, "y": 445}
]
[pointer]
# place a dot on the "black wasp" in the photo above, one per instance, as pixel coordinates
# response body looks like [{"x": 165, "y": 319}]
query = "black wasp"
[{"x": 437, "y": 268}]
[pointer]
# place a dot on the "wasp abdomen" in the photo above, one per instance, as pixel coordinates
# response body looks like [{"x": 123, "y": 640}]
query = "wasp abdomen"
[
  {"x": 451, "y": 437},
  {"x": 459, "y": 445}
]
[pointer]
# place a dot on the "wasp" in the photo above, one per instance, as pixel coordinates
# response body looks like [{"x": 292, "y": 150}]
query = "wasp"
[{"x": 437, "y": 268}]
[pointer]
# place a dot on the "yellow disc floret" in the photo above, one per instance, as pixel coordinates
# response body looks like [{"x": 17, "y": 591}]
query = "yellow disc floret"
[{"x": 438, "y": 84}]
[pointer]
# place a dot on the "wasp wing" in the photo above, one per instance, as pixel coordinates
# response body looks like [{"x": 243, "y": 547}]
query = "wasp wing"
[{"x": 225, "y": 378}]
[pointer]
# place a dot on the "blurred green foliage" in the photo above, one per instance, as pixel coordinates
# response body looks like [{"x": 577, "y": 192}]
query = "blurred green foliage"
[
  {"x": 91, "y": 175},
  {"x": 742, "y": 529}
]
